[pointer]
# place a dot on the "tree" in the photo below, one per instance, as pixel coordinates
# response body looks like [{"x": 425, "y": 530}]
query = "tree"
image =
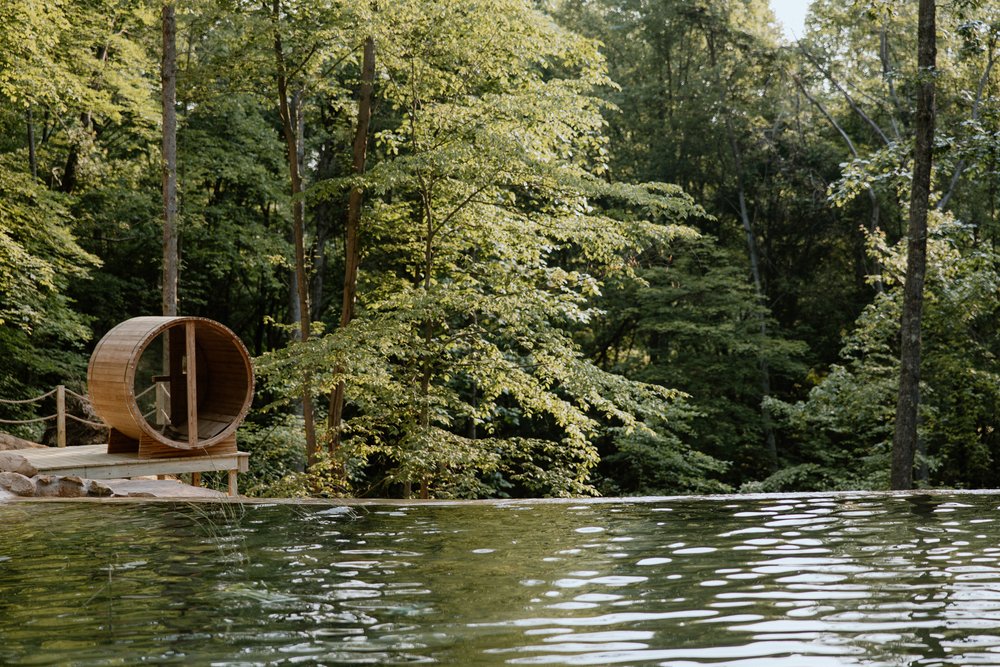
[
  {"x": 884, "y": 115},
  {"x": 694, "y": 325},
  {"x": 40, "y": 330},
  {"x": 352, "y": 251},
  {"x": 487, "y": 229},
  {"x": 75, "y": 76},
  {"x": 168, "y": 78},
  {"x": 844, "y": 430},
  {"x": 904, "y": 444},
  {"x": 703, "y": 103},
  {"x": 290, "y": 121}
]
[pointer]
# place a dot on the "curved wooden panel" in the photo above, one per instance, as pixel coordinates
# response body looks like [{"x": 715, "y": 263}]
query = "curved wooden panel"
[{"x": 216, "y": 374}]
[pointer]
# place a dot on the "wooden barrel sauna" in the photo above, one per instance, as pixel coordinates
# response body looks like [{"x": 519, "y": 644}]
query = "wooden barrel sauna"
[{"x": 205, "y": 386}]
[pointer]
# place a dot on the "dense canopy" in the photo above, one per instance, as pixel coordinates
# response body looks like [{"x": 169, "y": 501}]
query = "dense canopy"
[{"x": 504, "y": 248}]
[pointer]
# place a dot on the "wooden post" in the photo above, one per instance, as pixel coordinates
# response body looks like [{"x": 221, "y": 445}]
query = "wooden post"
[
  {"x": 178, "y": 388},
  {"x": 196, "y": 479},
  {"x": 192, "y": 386},
  {"x": 61, "y": 416},
  {"x": 233, "y": 487}
]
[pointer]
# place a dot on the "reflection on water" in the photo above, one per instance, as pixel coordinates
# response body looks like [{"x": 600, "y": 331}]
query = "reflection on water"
[{"x": 768, "y": 582}]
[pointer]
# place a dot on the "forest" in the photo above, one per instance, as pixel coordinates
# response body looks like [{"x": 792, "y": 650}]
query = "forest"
[{"x": 503, "y": 248}]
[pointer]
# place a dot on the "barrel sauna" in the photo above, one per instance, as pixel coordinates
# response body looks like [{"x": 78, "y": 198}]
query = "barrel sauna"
[{"x": 195, "y": 372}]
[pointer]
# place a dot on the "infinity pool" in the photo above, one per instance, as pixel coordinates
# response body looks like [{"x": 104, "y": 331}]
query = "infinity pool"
[{"x": 772, "y": 581}]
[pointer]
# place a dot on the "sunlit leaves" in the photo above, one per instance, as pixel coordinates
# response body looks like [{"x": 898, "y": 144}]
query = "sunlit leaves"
[
  {"x": 38, "y": 256},
  {"x": 489, "y": 229}
]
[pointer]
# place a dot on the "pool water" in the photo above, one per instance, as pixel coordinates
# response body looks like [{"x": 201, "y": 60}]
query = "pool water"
[{"x": 772, "y": 581}]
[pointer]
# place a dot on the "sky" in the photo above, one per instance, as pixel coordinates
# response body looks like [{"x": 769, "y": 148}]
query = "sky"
[{"x": 792, "y": 14}]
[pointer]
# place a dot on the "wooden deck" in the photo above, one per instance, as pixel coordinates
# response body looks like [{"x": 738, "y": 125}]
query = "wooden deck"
[{"x": 94, "y": 462}]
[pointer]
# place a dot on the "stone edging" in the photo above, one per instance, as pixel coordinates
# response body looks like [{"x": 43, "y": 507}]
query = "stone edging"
[{"x": 16, "y": 485}]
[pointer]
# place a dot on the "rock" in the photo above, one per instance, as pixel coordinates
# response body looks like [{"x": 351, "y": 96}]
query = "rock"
[
  {"x": 16, "y": 484},
  {"x": 9, "y": 442},
  {"x": 13, "y": 462},
  {"x": 97, "y": 489},
  {"x": 77, "y": 433},
  {"x": 51, "y": 486}
]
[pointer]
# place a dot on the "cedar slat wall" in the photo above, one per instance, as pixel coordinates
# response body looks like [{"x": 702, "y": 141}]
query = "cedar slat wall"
[{"x": 218, "y": 379}]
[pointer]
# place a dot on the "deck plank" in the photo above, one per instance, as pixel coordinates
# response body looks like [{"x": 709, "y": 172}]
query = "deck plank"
[{"x": 94, "y": 462}]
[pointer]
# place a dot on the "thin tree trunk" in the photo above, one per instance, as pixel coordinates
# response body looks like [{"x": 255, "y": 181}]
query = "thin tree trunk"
[
  {"x": 168, "y": 80},
  {"x": 425, "y": 375},
  {"x": 294, "y": 311},
  {"x": 904, "y": 442},
  {"x": 887, "y": 75},
  {"x": 32, "y": 158},
  {"x": 322, "y": 213},
  {"x": 765, "y": 371},
  {"x": 847, "y": 96},
  {"x": 288, "y": 125},
  {"x": 352, "y": 250},
  {"x": 294, "y": 109}
]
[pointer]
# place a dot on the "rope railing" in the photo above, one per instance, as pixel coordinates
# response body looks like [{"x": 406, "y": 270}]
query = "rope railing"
[
  {"x": 82, "y": 397},
  {"x": 34, "y": 400},
  {"x": 85, "y": 421},
  {"x": 27, "y": 421},
  {"x": 60, "y": 415}
]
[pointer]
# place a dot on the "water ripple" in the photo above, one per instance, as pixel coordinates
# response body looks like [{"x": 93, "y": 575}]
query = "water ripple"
[{"x": 747, "y": 582}]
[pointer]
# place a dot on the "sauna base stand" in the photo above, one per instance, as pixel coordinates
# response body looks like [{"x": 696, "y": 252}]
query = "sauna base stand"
[{"x": 147, "y": 448}]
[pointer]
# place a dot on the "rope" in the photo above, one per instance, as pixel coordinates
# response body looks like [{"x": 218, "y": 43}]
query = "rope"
[
  {"x": 28, "y": 400},
  {"x": 145, "y": 391},
  {"x": 43, "y": 419},
  {"x": 28, "y": 421},
  {"x": 86, "y": 399},
  {"x": 84, "y": 421}
]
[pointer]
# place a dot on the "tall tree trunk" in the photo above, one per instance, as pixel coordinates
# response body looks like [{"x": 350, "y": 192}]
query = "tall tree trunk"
[
  {"x": 32, "y": 158},
  {"x": 294, "y": 303},
  {"x": 294, "y": 311},
  {"x": 322, "y": 213},
  {"x": 425, "y": 374},
  {"x": 351, "y": 249},
  {"x": 168, "y": 167},
  {"x": 904, "y": 442},
  {"x": 168, "y": 80},
  {"x": 289, "y": 129}
]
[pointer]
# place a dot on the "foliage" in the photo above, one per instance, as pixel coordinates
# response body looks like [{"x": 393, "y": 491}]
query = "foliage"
[
  {"x": 538, "y": 312},
  {"x": 487, "y": 232},
  {"x": 276, "y": 460},
  {"x": 40, "y": 332},
  {"x": 845, "y": 425},
  {"x": 695, "y": 325},
  {"x": 38, "y": 257}
]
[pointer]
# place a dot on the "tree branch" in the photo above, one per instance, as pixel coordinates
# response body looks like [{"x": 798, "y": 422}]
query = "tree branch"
[
  {"x": 976, "y": 107},
  {"x": 883, "y": 54},
  {"x": 847, "y": 96}
]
